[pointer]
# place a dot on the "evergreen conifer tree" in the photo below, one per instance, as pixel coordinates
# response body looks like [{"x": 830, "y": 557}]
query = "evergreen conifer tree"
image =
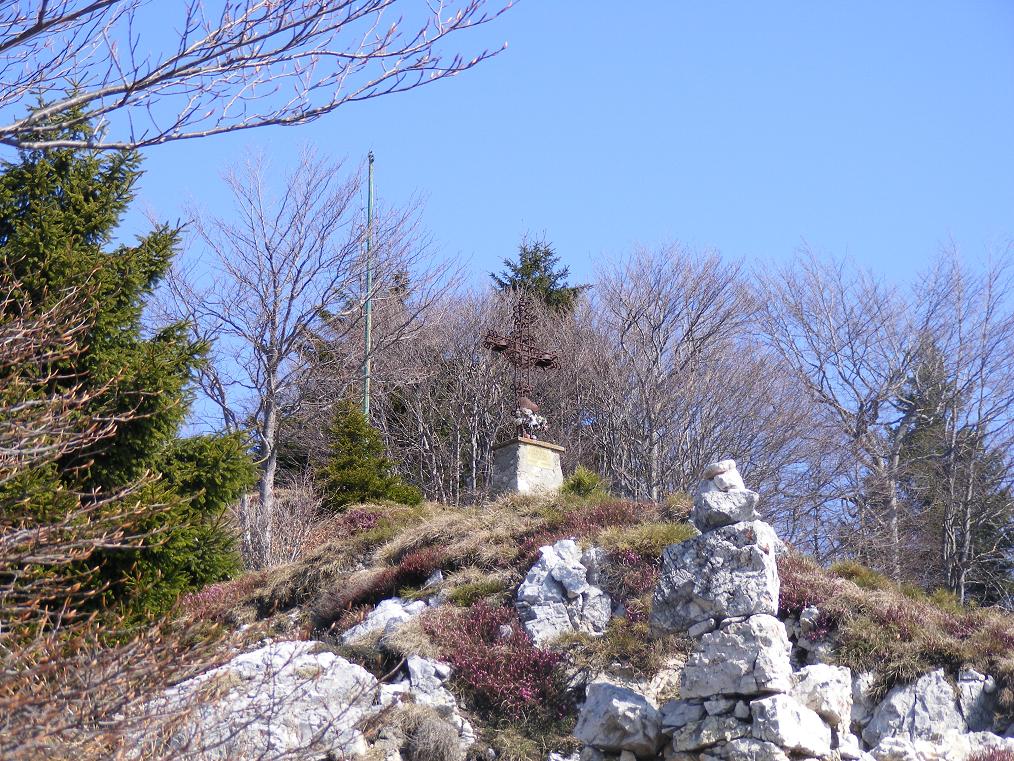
[
  {"x": 956, "y": 489},
  {"x": 356, "y": 469},
  {"x": 538, "y": 272},
  {"x": 59, "y": 209}
]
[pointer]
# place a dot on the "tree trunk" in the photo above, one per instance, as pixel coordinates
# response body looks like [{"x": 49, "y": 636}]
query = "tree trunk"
[{"x": 266, "y": 487}]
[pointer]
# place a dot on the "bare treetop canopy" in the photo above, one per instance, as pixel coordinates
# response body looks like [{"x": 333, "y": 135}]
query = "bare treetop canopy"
[
  {"x": 521, "y": 351},
  {"x": 216, "y": 65}
]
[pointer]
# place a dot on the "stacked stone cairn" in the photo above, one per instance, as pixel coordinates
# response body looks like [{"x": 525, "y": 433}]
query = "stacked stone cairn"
[{"x": 739, "y": 697}]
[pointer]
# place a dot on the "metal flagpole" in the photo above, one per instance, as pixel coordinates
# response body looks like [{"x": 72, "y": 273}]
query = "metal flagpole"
[{"x": 368, "y": 342}]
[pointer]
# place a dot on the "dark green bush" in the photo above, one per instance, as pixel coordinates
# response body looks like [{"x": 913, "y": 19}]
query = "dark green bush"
[
  {"x": 584, "y": 483},
  {"x": 356, "y": 469}
]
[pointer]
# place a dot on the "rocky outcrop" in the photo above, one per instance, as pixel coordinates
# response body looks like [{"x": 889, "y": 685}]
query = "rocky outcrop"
[
  {"x": 617, "y": 719},
  {"x": 294, "y": 699},
  {"x": 782, "y": 721},
  {"x": 927, "y": 709},
  {"x": 755, "y": 688},
  {"x": 723, "y": 573},
  {"x": 977, "y": 698},
  {"x": 560, "y": 593},
  {"x": 735, "y": 700},
  {"x": 749, "y": 657},
  {"x": 827, "y": 691}
]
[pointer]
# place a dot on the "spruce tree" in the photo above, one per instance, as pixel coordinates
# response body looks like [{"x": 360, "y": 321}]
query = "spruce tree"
[
  {"x": 538, "y": 272},
  {"x": 356, "y": 469},
  {"x": 59, "y": 210}
]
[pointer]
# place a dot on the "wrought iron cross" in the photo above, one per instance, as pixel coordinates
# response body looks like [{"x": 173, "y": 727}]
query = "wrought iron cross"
[{"x": 519, "y": 348}]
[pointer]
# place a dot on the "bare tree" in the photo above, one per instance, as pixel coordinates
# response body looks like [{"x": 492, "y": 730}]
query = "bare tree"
[
  {"x": 666, "y": 315},
  {"x": 853, "y": 343},
  {"x": 443, "y": 398},
  {"x": 227, "y": 65},
  {"x": 286, "y": 275}
]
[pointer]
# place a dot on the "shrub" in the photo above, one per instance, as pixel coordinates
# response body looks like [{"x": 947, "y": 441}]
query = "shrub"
[
  {"x": 677, "y": 507},
  {"x": 804, "y": 583},
  {"x": 216, "y": 600},
  {"x": 498, "y": 665},
  {"x": 584, "y": 483},
  {"x": 993, "y": 754},
  {"x": 356, "y": 469}
]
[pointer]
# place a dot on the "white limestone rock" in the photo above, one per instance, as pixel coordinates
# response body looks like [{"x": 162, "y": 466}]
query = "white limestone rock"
[
  {"x": 850, "y": 748},
  {"x": 426, "y": 679},
  {"x": 826, "y": 690},
  {"x": 863, "y": 685},
  {"x": 287, "y": 699},
  {"x": 952, "y": 748},
  {"x": 615, "y": 719},
  {"x": 720, "y": 476},
  {"x": 716, "y": 468},
  {"x": 780, "y": 720},
  {"x": 925, "y": 710},
  {"x": 724, "y": 573},
  {"x": 559, "y": 595},
  {"x": 708, "y": 732},
  {"x": 744, "y": 749},
  {"x": 750, "y": 657},
  {"x": 388, "y": 614},
  {"x": 676, "y": 714},
  {"x": 977, "y": 698},
  {"x": 714, "y": 509}
]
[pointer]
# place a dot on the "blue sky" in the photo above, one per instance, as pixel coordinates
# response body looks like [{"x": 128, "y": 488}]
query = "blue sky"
[{"x": 880, "y": 130}]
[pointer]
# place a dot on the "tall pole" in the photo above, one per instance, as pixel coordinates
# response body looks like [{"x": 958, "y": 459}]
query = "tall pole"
[{"x": 368, "y": 338}]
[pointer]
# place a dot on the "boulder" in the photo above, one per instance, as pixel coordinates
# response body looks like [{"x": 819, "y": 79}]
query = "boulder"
[
  {"x": 559, "y": 593},
  {"x": 291, "y": 700},
  {"x": 727, "y": 572},
  {"x": 781, "y": 720},
  {"x": 709, "y": 731},
  {"x": 924, "y": 710},
  {"x": 615, "y": 719},
  {"x": 676, "y": 714},
  {"x": 387, "y": 615},
  {"x": 826, "y": 690},
  {"x": 749, "y": 657},
  {"x": 977, "y": 698},
  {"x": 714, "y": 509}
]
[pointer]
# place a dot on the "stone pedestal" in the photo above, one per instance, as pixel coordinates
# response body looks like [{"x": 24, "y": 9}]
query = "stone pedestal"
[{"x": 526, "y": 466}]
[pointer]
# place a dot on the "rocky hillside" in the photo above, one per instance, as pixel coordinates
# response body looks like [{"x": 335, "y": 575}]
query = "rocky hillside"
[{"x": 566, "y": 627}]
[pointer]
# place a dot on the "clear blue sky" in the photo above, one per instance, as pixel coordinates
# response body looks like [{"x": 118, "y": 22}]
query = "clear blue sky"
[{"x": 875, "y": 129}]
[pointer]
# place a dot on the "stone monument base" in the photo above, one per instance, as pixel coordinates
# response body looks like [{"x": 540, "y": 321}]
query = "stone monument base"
[{"x": 527, "y": 466}]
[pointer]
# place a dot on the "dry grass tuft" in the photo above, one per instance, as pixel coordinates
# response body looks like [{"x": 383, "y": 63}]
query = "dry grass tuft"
[
  {"x": 427, "y": 736},
  {"x": 626, "y": 648},
  {"x": 410, "y": 639}
]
